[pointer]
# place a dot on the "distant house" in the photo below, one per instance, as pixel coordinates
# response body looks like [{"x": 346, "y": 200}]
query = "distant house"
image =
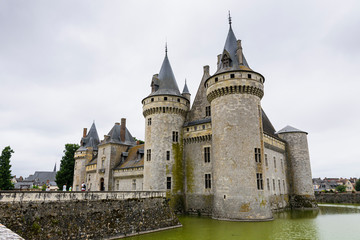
[
  {"x": 330, "y": 184},
  {"x": 39, "y": 178}
]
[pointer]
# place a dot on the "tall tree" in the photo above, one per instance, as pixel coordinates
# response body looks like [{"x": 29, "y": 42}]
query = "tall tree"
[
  {"x": 357, "y": 185},
  {"x": 66, "y": 173},
  {"x": 5, "y": 172}
]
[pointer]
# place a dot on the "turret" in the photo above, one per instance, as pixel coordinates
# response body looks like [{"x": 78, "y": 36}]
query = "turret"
[
  {"x": 301, "y": 187},
  {"x": 87, "y": 151},
  {"x": 234, "y": 93},
  {"x": 164, "y": 111},
  {"x": 185, "y": 93}
]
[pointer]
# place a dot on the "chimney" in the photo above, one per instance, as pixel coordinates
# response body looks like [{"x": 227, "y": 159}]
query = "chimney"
[
  {"x": 239, "y": 52},
  {"x": 218, "y": 60},
  {"x": 84, "y": 132},
  {"x": 206, "y": 70},
  {"x": 123, "y": 129}
]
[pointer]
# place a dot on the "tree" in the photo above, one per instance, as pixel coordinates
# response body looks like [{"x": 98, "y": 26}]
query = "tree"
[
  {"x": 66, "y": 173},
  {"x": 5, "y": 172},
  {"x": 357, "y": 185},
  {"x": 341, "y": 188}
]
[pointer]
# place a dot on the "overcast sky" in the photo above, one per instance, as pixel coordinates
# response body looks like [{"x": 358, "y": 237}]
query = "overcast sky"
[{"x": 65, "y": 64}]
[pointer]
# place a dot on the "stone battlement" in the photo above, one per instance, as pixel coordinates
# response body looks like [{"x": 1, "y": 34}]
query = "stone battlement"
[{"x": 27, "y": 196}]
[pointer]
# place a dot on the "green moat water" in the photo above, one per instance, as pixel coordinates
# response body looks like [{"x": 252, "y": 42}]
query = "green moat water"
[{"x": 331, "y": 222}]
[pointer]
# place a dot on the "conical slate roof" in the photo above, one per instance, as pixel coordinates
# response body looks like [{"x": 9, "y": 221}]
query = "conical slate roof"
[
  {"x": 167, "y": 82},
  {"x": 185, "y": 90},
  {"x": 230, "y": 50},
  {"x": 290, "y": 129},
  {"x": 91, "y": 139}
]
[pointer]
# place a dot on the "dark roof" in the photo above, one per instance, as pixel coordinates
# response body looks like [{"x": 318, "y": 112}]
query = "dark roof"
[
  {"x": 290, "y": 129},
  {"x": 41, "y": 178},
  {"x": 91, "y": 139},
  {"x": 185, "y": 90},
  {"x": 230, "y": 49},
  {"x": 166, "y": 80},
  {"x": 134, "y": 159},
  {"x": 196, "y": 122},
  {"x": 114, "y": 136}
]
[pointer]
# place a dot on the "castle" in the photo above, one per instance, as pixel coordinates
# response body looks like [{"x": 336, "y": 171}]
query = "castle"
[{"x": 222, "y": 157}]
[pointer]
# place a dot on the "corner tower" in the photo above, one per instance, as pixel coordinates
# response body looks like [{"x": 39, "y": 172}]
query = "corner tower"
[
  {"x": 234, "y": 93},
  {"x": 164, "y": 111},
  {"x": 87, "y": 151},
  {"x": 301, "y": 186}
]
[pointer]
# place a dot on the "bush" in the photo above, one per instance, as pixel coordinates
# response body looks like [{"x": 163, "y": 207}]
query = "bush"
[
  {"x": 357, "y": 185},
  {"x": 341, "y": 188}
]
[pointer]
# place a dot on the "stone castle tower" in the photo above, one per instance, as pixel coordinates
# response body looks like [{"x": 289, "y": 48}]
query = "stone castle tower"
[
  {"x": 234, "y": 92},
  {"x": 164, "y": 111},
  {"x": 87, "y": 151}
]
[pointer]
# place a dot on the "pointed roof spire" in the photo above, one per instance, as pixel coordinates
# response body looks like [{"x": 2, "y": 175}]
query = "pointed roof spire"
[
  {"x": 229, "y": 60},
  {"x": 185, "y": 90},
  {"x": 229, "y": 19},
  {"x": 54, "y": 168},
  {"x": 91, "y": 139},
  {"x": 167, "y": 82}
]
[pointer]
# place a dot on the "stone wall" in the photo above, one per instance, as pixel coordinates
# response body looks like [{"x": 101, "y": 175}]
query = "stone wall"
[
  {"x": 350, "y": 198},
  {"x": 85, "y": 215}
]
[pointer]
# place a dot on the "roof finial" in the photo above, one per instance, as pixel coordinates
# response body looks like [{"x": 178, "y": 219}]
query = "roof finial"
[
  {"x": 166, "y": 48},
  {"x": 229, "y": 19}
]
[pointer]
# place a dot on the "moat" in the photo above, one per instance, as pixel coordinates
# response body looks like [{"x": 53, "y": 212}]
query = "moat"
[{"x": 330, "y": 222}]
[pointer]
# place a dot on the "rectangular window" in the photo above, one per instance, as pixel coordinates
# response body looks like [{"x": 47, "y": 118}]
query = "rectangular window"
[
  {"x": 168, "y": 183},
  {"x": 216, "y": 79},
  {"x": 274, "y": 186},
  {"x": 148, "y": 155},
  {"x": 257, "y": 155},
  {"x": 268, "y": 184},
  {"x": 259, "y": 181},
  {"x": 134, "y": 185},
  {"x": 207, "y": 180},
  {"x": 282, "y": 164},
  {"x": 165, "y": 98},
  {"x": 232, "y": 75},
  {"x": 207, "y": 154},
  {"x": 279, "y": 186},
  {"x": 284, "y": 185},
  {"x": 274, "y": 162},
  {"x": 266, "y": 161},
  {"x": 149, "y": 121},
  {"x": 249, "y": 75},
  {"x": 208, "y": 111},
  {"x": 117, "y": 185},
  {"x": 175, "y": 136},
  {"x": 168, "y": 155}
]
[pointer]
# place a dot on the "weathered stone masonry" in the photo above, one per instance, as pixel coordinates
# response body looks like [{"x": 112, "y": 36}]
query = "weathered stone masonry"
[{"x": 77, "y": 215}]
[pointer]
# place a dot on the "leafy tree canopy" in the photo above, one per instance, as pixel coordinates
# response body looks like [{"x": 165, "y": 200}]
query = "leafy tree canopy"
[
  {"x": 341, "y": 188},
  {"x": 140, "y": 141},
  {"x": 5, "y": 172},
  {"x": 357, "y": 185},
  {"x": 66, "y": 173}
]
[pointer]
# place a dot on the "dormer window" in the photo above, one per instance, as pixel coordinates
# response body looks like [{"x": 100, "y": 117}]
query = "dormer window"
[{"x": 226, "y": 60}]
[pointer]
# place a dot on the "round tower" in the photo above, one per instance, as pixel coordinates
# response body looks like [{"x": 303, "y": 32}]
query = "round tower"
[
  {"x": 164, "y": 111},
  {"x": 301, "y": 187},
  {"x": 83, "y": 155},
  {"x": 234, "y": 93}
]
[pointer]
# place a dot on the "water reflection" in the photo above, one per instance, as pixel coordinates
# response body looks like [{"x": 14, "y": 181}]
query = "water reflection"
[{"x": 330, "y": 222}]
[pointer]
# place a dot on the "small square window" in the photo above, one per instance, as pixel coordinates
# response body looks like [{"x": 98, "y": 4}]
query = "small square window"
[
  {"x": 178, "y": 99},
  {"x": 249, "y": 75},
  {"x": 165, "y": 98},
  {"x": 152, "y": 99},
  {"x": 232, "y": 75}
]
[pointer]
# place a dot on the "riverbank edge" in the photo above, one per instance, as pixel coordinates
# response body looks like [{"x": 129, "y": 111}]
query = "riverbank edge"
[
  {"x": 343, "y": 198},
  {"x": 143, "y": 232}
]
